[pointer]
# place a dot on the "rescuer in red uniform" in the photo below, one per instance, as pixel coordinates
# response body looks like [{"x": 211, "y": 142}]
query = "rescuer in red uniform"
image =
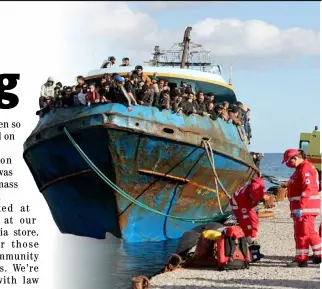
[
  {"x": 304, "y": 197},
  {"x": 243, "y": 202}
]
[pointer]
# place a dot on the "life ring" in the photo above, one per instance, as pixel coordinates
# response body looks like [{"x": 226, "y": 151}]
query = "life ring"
[
  {"x": 140, "y": 282},
  {"x": 175, "y": 260}
]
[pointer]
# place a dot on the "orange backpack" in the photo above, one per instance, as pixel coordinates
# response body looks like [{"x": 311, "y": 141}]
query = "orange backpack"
[{"x": 232, "y": 250}]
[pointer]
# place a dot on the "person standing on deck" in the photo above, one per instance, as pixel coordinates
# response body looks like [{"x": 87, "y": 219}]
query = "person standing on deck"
[
  {"x": 305, "y": 206},
  {"x": 125, "y": 61},
  {"x": 243, "y": 202}
]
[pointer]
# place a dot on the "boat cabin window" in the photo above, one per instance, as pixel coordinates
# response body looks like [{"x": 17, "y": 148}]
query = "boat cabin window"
[{"x": 304, "y": 145}]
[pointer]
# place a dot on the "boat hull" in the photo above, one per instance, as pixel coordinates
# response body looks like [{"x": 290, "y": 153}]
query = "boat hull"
[{"x": 173, "y": 177}]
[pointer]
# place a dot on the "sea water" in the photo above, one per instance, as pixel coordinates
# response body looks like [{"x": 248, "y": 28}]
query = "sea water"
[{"x": 83, "y": 263}]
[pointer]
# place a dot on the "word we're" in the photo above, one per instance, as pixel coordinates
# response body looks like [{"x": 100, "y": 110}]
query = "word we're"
[{"x": 11, "y": 99}]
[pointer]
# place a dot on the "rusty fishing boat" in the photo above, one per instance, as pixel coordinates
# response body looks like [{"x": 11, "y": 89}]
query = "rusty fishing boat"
[{"x": 144, "y": 175}]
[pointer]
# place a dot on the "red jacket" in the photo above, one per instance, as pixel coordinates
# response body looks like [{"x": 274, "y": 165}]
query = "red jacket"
[
  {"x": 303, "y": 190},
  {"x": 248, "y": 196},
  {"x": 92, "y": 96}
]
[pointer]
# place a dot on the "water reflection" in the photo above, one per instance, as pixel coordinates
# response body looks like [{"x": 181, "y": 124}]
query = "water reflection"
[{"x": 83, "y": 263}]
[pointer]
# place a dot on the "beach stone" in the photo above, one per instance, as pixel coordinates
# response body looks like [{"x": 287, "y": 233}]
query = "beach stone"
[{"x": 277, "y": 244}]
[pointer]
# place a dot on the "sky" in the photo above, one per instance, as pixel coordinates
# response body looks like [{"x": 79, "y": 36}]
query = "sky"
[{"x": 275, "y": 58}]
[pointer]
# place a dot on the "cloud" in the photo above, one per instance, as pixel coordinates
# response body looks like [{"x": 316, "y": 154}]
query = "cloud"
[
  {"x": 233, "y": 37},
  {"x": 101, "y": 29}
]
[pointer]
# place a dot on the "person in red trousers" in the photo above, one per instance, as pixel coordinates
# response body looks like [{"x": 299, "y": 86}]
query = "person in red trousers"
[
  {"x": 304, "y": 197},
  {"x": 243, "y": 203}
]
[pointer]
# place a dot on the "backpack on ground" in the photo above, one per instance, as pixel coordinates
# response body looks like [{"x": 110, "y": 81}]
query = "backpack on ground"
[{"x": 232, "y": 250}]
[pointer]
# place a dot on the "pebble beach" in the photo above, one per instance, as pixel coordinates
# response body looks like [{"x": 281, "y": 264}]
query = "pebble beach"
[{"x": 277, "y": 244}]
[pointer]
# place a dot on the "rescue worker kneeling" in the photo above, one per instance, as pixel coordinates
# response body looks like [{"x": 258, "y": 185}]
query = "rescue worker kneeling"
[
  {"x": 243, "y": 203},
  {"x": 304, "y": 197}
]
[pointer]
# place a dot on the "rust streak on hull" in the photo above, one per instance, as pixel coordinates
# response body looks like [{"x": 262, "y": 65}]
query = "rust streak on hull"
[
  {"x": 177, "y": 179},
  {"x": 64, "y": 178}
]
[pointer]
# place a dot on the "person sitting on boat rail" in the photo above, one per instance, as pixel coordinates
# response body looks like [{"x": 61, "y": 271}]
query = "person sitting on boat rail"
[
  {"x": 109, "y": 62},
  {"x": 47, "y": 92},
  {"x": 125, "y": 62}
]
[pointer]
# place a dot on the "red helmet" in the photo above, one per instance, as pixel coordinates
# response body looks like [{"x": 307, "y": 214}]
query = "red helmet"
[
  {"x": 257, "y": 189},
  {"x": 289, "y": 154}
]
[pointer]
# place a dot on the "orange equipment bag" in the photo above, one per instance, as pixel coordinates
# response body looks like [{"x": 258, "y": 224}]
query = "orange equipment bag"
[{"x": 232, "y": 250}]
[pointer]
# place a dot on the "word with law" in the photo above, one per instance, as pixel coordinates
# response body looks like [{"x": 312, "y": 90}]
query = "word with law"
[
  {"x": 19, "y": 268},
  {"x": 8, "y": 82},
  {"x": 12, "y": 280},
  {"x": 25, "y": 280},
  {"x": 7, "y": 125}
]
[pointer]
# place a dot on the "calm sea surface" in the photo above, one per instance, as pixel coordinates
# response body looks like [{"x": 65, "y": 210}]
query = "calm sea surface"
[{"x": 84, "y": 263}]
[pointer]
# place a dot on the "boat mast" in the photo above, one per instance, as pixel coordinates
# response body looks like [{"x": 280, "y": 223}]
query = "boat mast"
[
  {"x": 183, "y": 54},
  {"x": 186, "y": 41},
  {"x": 231, "y": 74}
]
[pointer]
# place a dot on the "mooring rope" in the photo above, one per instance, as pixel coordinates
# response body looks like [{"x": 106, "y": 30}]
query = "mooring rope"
[
  {"x": 133, "y": 200},
  {"x": 211, "y": 158}
]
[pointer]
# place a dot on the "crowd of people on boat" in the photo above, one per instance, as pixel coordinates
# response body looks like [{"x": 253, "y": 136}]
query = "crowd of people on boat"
[{"x": 137, "y": 88}]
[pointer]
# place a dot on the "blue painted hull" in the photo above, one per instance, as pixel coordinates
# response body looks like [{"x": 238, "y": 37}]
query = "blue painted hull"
[{"x": 125, "y": 146}]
